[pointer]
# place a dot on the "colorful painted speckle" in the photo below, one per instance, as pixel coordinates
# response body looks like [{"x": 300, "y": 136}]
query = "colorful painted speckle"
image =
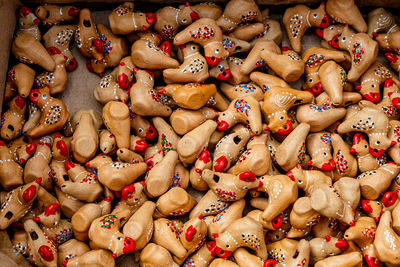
[
  {"x": 242, "y": 106},
  {"x": 302, "y": 153},
  {"x": 228, "y": 43},
  {"x": 166, "y": 145},
  {"x": 121, "y": 10},
  {"x": 313, "y": 60},
  {"x": 357, "y": 52},
  {"x": 108, "y": 221},
  {"x": 341, "y": 163},
  {"x": 326, "y": 138},
  {"x": 106, "y": 43},
  {"x": 203, "y": 33}
]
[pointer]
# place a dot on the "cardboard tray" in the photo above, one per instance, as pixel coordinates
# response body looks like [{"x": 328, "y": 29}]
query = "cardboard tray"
[{"x": 81, "y": 82}]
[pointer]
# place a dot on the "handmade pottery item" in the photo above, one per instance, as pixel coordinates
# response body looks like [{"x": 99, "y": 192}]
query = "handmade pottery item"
[{"x": 54, "y": 14}]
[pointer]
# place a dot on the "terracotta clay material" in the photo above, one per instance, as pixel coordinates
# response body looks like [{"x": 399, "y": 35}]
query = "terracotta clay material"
[
  {"x": 124, "y": 21},
  {"x": 381, "y": 20},
  {"x": 299, "y": 18},
  {"x": 238, "y": 11},
  {"x": 10, "y": 171},
  {"x": 54, "y": 14},
  {"x": 206, "y": 33},
  {"x": 13, "y": 119},
  {"x": 20, "y": 78},
  {"x": 28, "y": 23}
]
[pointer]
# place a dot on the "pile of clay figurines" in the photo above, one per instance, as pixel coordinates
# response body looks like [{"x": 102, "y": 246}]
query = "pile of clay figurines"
[{"x": 204, "y": 154}]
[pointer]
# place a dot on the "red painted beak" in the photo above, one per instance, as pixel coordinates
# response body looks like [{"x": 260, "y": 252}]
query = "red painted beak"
[
  {"x": 329, "y": 166},
  {"x": 190, "y": 233},
  {"x": 151, "y": 133},
  {"x": 320, "y": 32},
  {"x": 69, "y": 165},
  {"x": 388, "y": 83},
  {"x": 324, "y": 22},
  {"x": 128, "y": 191},
  {"x": 225, "y": 75},
  {"x": 287, "y": 128},
  {"x": 222, "y": 253},
  {"x": 36, "y": 21},
  {"x": 334, "y": 42},
  {"x": 123, "y": 81},
  {"x": 151, "y": 18},
  {"x": 213, "y": 61},
  {"x": 34, "y": 96},
  {"x": 389, "y": 198},
  {"x": 222, "y": 125},
  {"x": 247, "y": 177},
  {"x": 270, "y": 263},
  {"x": 71, "y": 65},
  {"x": 342, "y": 245},
  {"x": 277, "y": 222},
  {"x": 391, "y": 57},
  {"x": 73, "y": 11},
  {"x": 46, "y": 253},
  {"x": 98, "y": 45},
  {"x": 31, "y": 148},
  {"x": 290, "y": 175},
  {"x": 194, "y": 16},
  {"x": 365, "y": 206},
  {"x": 373, "y": 97},
  {"x": 205, "y": 156},
  {"x": 62, "y": 146},
  {"x": 316, "y": 89},
  {"x": 89, "y": 65},
  {"x": 220, "y": 164},
  {"x": 376, "y": 152},
  {"x": 140, "y": 145},
  {"x": 129, "y": 245},
  {"x": 29, "y": 193},
  {"x": 353, "y": 151},
  {"x": 396, "y": 102},
  {"x": 211, "y": 247},
  {"x": 371, "y": 261},
  {"x": 166, "y": 46},
  {"x": 20, "y": 102}
]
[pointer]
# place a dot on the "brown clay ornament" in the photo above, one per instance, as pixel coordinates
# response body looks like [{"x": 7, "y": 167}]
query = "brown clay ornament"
[
  {"x": 30, "y": 51},
  {"x": 124, "y": 21},
  {"x": 206, "y": 33},
  {"x": 159, "y": 178},
  {"x": 142, "y": 127},
  {"x": 244, "y": 232},
  {"x": 13, "y": 119},
  {"x": 155, "y": 255},
  {"x": 363, "y": 233},
  {"x": 58, "y": 230},
  {"x": 70, "y": 250},
  {"x": 208, "y": 10},
  {"x": 183, "y": 121},
  {"x": 366, "y": 162},
  {"x": 60, "y": 37},
  {"x": 18, "y": 202},
  {"x": 394, "y": 60},
  {"x": 308, "y": 179},
  {"x": 245, "y": 110},
  {"x": 203, "y": 162},
  {"x": 28, "y": 23},
  {"x": 238, "y": 11},
  {"x": 83, "y": 185},
  {"x": 272, "y": 31},
  {"x": 133, "y": 198},
  {"x": 363, "y": 51},
  {"x": 144, "y": 99},
  {"x": 54, "y": 113},
  {"x": 267, "y": 81},
  {"x": 387, "y": 242},
  {"x": 289, "y": 252},
  {"x": 348, "y": 259},
  {"x": 247, "y": 31},
  {"x": 116, "y": 119},
  {"x": 371, "y": 81},
  {"x": 194, "y": 68},
  {"x": 56, "y": 80},
  {"x": 176, "y": 202},
  {"x": 394, "y": 151},
  {"x": 321, "y": 248},
  {"x": 388, "y": 41},
  {"x": 10, "y": 171},
  {"x": 346, "y": 163},
  {"x": 108, "y": 89},
  {"x": 87, "y": 37},
  {"x": 203, "y": 256},
  {"x": 302, "y": 218},
  {"x": 140, "y": 225},
  {"x": 107, "y": 143},
  {"x": 372, "y": 122},
  {"x": 299, "y": 18},
  {"x": 116, "y": 175},
  {"x": 85, "y": 140},
  {"x": 346, "y": 12},
  {"x": 115, "y": 48},
  {"x": 192, "y": 144},
  {"x": 169, "y": 19},
  {"x": 95, "y": 257},
  {"x": 230, "y": 187},
  {"x": 209, "y": 204},
  {"x": 54, "y": 14},
  {"x": 277, "y": 102},
  {"x": 319, "y": 146},
  {"x": 20, "y": 79},
  {"x": 381, "y": 20},
  {"x": 69, "y": 205},
  {"x": 104, "y": 233},
  {"x": 228, "y": 148},
  {"x": 371, "y": 188},
  {"x": 292, "y": 150},
  {"x": 281, "y": 193},
  {"x": 20, "y": 243},
  {"x": 38, "y": 165},
  {"x": 148, "y": 53},
  {"x": 41, "y": 248},
  {"x": 242, "y": 90}
]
